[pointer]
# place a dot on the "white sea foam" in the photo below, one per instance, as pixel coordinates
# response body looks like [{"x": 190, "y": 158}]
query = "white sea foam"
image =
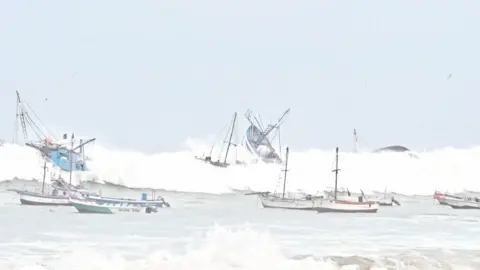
[{"x": 445, "y": 169}]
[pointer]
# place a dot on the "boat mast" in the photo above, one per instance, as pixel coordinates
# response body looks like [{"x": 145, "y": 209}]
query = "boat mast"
[
  {"x": 44, "y": 173},
  {"x": 285, "y": 173},
  {"x": 336, "y": 173},
  {"x": 230, "y": 139},
  {"x": 71, "y": 150}
]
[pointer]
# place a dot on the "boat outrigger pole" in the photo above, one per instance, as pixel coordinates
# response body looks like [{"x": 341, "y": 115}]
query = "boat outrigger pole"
[{"x": 71, "y": 161}]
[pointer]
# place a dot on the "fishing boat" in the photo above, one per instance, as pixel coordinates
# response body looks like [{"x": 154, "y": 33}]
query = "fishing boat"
[
  {"x": 228, "y": 141},
  {"x": 155, "y": 201},
  {"x": 335, "y": 204},
  {"x": 34, "y": 198},
  {"x": 57, "y": 197},
  {"x": 387, "y": 201},
  {"x": 258, "y": 139},
  {"x": 458, "y": 201},
  {"x": 96, "y": 207},
  {"x": 65, "y": 154},
  {"x": 273, "y": 200},
  {"x": 443, "y": 197},
  {"x": 346, "y": 195},
  {"x": 465, "y": 203}
]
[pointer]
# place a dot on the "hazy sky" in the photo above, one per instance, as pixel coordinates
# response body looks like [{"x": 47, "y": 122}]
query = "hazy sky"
[{"x": 147, "y": 75}]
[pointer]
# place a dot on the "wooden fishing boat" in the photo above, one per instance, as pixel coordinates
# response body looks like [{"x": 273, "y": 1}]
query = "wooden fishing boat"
[
  {"x": 346, "y": 195},
  {"x": 324, "y": 205},
  {"x": 224, "y": 163},
  {"x": 57, "y": 197},
  {"x": 272, "y": 200},
  {"x": 464, "y": 203},
  {"x": 34, "y": 198},
  {"x": 94, "y": 207},
  {"x": 443, "y": 197},
  {"x": 156, "y": 201}
]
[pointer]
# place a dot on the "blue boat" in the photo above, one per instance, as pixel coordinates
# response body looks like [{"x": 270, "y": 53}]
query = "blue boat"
[{"x": 68, "y": 158}]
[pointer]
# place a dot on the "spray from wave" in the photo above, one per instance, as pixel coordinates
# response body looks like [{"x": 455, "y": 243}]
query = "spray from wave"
[{"x": 310, "y": 171}]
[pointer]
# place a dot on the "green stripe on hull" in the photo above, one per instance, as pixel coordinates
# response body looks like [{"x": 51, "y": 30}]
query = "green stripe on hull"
[{"x": 91, "y": 209}]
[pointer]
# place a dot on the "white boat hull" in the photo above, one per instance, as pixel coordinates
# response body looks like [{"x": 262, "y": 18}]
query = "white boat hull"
[
  {"x": 326, "y": 206},
  {"x": 382, "y": 201},
  {"x": 30, "y": 198},
  {"x": 287, "y": 203},
  {"x": 108, "y": 200},
  {"x": 462, "y": 204},
  {"x": 91, "y": 207}
]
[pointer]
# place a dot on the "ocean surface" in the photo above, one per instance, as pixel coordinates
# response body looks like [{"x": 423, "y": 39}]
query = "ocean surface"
[
  {"x": 211, "y": 227},
  {"x": 233, "y": 231}
]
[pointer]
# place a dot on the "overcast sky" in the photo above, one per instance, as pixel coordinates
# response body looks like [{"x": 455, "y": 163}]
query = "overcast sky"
[{"x": 147, "y": 75}]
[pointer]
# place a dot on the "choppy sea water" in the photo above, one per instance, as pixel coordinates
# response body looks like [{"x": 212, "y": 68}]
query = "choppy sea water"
[{"x": 232, "y": 231}]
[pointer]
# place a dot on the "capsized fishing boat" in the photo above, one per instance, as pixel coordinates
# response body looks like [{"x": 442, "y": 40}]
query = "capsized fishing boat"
[
  {"x": 390, "y": 148},
  {"x": 65, "y": 154},
  {"x": 258, "y": 139},
  {"x": 335, "y": 204},
  {"x": 273, "y": 200},
  {"x": 96, "y": 207},
  {"x": 218, "y": 162}
]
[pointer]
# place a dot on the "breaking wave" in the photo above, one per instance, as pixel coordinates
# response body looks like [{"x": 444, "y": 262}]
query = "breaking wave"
[
  {"x": 223, "y": 248},
  {"x": 444, "y": 169}
]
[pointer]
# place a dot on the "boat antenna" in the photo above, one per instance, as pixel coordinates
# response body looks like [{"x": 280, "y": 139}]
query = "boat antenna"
[
  {"x": 44, "y": 173},
  {"x": 285, "y": 173},
  {"x": 336, "y": 173}
]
